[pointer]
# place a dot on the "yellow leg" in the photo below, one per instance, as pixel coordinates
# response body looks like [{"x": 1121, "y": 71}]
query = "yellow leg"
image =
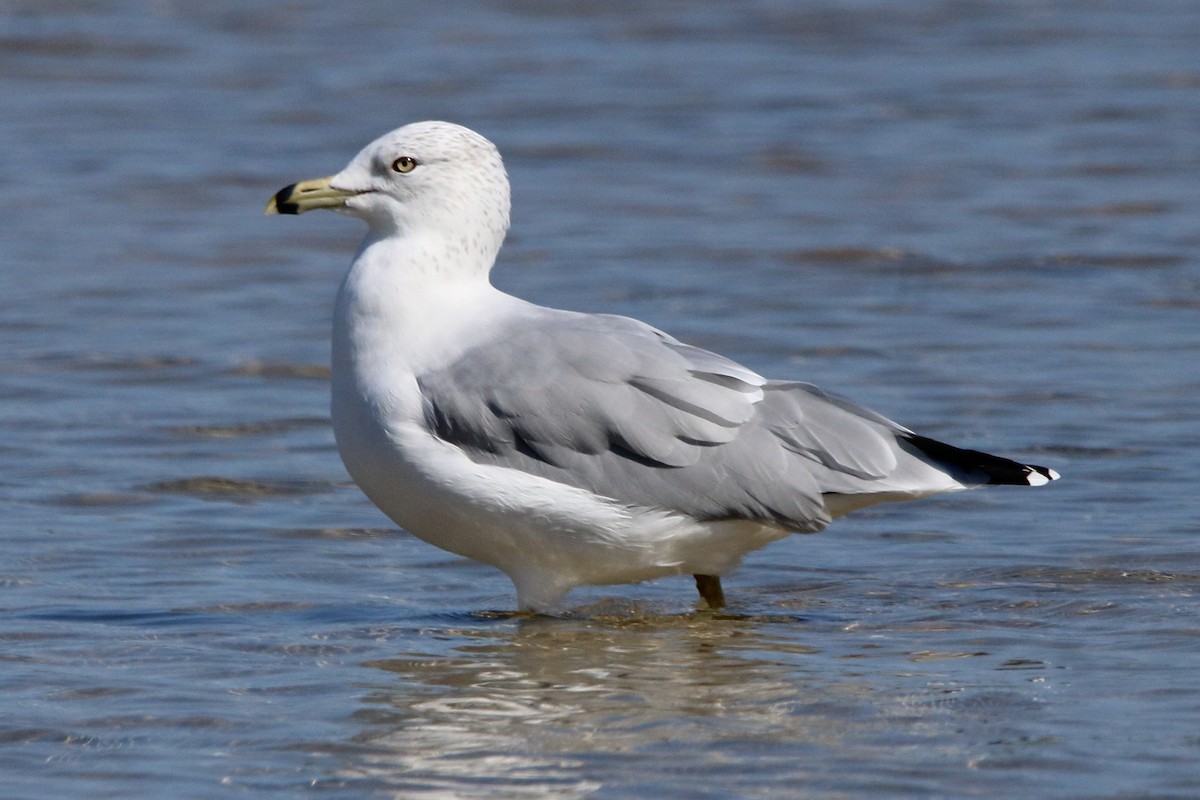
[{"x": 710, "y": 590}]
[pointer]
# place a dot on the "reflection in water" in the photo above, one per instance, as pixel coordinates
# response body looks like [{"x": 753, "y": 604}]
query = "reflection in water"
[{"x": 536, "y": 708}]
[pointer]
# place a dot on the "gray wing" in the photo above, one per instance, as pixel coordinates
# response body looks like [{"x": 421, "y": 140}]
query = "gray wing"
[{"x": 616, "y": 407}]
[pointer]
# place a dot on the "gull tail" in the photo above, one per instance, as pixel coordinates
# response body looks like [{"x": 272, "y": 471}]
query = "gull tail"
[{"x": 973, "y": 467}]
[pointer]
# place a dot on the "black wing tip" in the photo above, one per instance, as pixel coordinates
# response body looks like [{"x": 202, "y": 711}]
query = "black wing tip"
[
  {"x": 978, "y": 467},
  {"x": 1040, "y": 476}
]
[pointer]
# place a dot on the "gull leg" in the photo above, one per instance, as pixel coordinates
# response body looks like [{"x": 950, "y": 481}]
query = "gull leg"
[{"x": 710, "y": 590}]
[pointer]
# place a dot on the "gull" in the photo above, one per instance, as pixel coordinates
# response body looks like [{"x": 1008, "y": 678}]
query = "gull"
[{"x": 563, "y": 448}]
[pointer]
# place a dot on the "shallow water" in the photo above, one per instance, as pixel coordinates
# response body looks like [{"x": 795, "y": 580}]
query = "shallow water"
[{"x": 979, "y": 219}]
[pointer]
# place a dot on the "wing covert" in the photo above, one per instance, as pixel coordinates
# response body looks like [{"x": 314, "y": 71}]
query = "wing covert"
[{"x": 588, "y": 384}]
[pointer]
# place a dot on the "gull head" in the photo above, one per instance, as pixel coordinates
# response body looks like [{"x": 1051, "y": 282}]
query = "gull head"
[{"x": 428, "y": 178}]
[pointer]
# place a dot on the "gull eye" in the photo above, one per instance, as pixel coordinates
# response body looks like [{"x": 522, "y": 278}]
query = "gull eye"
[{"x": 404, "y": 164}]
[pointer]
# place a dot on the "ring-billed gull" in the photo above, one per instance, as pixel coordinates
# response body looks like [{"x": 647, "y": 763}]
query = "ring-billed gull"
[{"x": 567, "y": 448}]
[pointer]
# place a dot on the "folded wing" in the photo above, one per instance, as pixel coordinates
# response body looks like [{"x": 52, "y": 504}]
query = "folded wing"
[{"x": 613, "y": 406}]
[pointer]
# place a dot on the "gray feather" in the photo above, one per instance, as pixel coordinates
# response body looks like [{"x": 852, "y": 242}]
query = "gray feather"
[{"x": 610, "y": 405}]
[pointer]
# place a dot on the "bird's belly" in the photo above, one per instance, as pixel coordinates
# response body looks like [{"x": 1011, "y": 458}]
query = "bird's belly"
[
  {"x": 391, "y": 476},
  {"x": 546, "y": 535}
]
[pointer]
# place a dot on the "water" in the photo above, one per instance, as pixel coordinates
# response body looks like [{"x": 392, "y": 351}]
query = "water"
[{"x": 978, "y": 218}]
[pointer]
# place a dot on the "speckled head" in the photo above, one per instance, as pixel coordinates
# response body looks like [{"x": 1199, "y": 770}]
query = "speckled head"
[{"x": 426, "y": 177}]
